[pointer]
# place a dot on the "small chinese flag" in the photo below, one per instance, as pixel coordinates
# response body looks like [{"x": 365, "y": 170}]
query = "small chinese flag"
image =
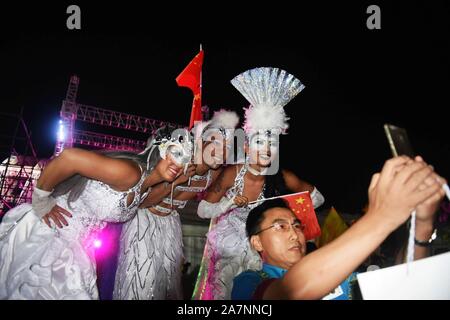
[
  {"x": 303, "y": 208},
  {"x": 191, "y": 77}
]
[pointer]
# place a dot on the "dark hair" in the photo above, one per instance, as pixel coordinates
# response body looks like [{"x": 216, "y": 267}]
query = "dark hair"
[
  {"x": 256, "y": 215},
  {"x": 275, "y": 185}
]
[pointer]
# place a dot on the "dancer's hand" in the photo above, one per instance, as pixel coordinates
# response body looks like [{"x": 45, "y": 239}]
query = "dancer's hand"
[
  {"x": 57, "y": 215},
  {"x": 240, "y": 201},
  {"x": 183, "y": 178}
]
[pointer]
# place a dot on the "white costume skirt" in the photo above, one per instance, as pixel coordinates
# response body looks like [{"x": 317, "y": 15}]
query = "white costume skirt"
[
  {"x": 151, "y": 258},
  {"x": 36, "y": 262}
]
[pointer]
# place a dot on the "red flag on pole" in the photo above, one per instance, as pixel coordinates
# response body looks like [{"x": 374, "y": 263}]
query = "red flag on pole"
[
  {"x": 303, "y": 208},
  {"x": 191, "y": 77}
]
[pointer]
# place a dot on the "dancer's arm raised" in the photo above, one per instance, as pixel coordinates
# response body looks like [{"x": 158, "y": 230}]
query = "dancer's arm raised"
[{"x": 120, "y": 174}]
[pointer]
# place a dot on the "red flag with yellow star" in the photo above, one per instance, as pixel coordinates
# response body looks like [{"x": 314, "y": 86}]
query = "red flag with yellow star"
[
  {"x": 191, "y": 77},
  {"x": 303, "y": 208}
]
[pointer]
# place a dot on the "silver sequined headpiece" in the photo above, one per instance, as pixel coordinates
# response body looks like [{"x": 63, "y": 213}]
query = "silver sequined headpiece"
[
  {"x": 268, "y": 90},
  {"x": 164, "y": 140}
]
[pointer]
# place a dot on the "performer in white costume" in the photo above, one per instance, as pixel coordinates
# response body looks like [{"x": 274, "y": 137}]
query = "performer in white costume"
[
  {"x": 227, "y": 251},
  {"x": 38, "y": 262},
  {"x": 151, "y": 244}
]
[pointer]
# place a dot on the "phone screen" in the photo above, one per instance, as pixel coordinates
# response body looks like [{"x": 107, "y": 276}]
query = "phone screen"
[{"x": 398, "y": 141}]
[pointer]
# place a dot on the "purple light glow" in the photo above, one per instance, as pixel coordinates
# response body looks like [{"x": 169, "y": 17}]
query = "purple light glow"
[{"x": 61, "y": 134}]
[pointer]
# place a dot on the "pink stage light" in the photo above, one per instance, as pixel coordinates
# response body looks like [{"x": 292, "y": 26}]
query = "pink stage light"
[
  {"x": 104, "y": 243},
  {"x": 97, "y": 243}
]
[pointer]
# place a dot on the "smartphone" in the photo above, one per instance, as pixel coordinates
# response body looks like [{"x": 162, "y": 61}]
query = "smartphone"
[{"x": 398, "y": 141}]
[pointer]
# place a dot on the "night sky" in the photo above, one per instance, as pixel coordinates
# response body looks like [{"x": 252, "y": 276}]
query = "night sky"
[{"x": 128, "y": 56}]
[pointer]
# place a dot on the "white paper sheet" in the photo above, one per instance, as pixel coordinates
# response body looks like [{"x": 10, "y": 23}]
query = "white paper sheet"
[{"x": 427, "y": 279}]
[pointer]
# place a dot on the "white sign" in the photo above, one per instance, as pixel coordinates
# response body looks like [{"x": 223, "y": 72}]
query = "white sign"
[{"x": 427, "y": 279}]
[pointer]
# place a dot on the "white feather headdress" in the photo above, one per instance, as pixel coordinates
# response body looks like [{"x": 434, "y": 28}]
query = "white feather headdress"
[
  {"x": 268, "y": 90},
  {"x": 222, "y": 120}
]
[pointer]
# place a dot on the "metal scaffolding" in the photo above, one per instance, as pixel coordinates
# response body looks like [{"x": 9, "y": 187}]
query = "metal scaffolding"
[
  {"x": 21, "y": 168},
  {"x": 18, "y": 172},
  {"x": 72, "y": 111}
]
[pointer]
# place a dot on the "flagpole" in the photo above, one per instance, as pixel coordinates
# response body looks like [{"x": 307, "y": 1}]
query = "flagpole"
[
  {"x": 195, "y": 143},
  {"x": 282, "y": 196},
  {"x": 201, "y": 75}
]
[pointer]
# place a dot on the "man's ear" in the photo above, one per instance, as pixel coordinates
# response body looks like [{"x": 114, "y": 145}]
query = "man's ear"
[{"x": 256, "y": 243}]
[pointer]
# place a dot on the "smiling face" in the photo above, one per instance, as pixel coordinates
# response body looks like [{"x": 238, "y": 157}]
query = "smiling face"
[
  {"x": 215, "y": 148},
  {"x": 281, "y": 243},
  {"x": 215, "y": 154},
  {"x": 173, "y": 164},
  {"x": 263, "y": 149}
]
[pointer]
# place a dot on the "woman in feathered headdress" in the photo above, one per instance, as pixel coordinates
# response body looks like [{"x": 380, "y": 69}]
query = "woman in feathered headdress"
[
  {"x": 40, "y": 261},
  {"x": 227, "y": 251},
  {"x": 151, "y": 247}
]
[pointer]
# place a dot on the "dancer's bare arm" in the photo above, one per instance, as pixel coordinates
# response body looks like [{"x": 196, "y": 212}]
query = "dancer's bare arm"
[
  {"x": 294, "y": 183},
  {"x": 220, "y": 186},
  {"x": 215, "y": 203},
  {"x": 163, "y": 189},
  {"x": 120, "y": 174},
  {"x": 185, "y": 195}
]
